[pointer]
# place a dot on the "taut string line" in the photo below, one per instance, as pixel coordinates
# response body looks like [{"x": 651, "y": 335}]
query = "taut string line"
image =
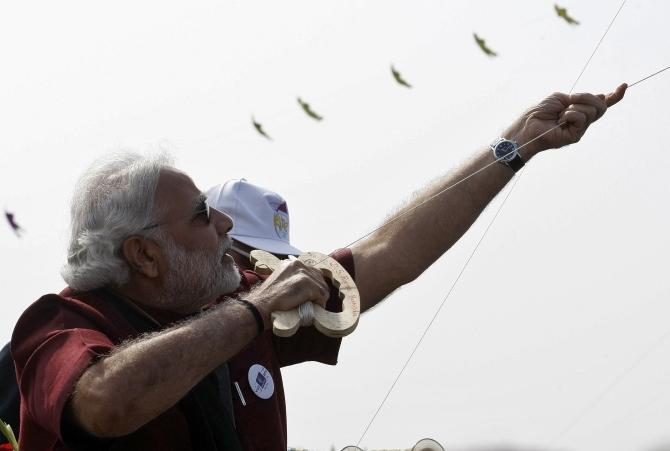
[
  {"x": 648, "y": 76},
  {"x": 597, "y": 46},
  {"x": 617, "y": 380}
]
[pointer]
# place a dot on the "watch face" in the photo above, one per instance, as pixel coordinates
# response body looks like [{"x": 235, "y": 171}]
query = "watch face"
[{"x": 505, "y": 150}]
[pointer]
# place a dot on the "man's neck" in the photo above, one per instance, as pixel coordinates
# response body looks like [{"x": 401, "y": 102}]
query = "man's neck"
[{"x": 148, "y": 302}]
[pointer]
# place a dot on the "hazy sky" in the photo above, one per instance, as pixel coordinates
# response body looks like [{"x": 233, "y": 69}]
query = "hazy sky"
[{"x": 552, "y": 336}]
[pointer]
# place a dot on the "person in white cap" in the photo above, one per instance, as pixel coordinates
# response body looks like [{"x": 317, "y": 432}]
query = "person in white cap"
[{"x": 260, "y": 219}]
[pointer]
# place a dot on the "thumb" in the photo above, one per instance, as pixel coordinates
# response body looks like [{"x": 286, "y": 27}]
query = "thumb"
[{"x": 614, "y": 97}]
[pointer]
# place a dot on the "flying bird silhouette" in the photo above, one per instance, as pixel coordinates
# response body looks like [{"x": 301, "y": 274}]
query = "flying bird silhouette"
[
  {"x": 398, "y": 77},
  {"x": 482, "y": 45},
  {"x": 562, "y": 12},
  {"x": 259, "y": 128},
  {"x": 10, "y": 219},
  {"x": 305, "y": 106}
]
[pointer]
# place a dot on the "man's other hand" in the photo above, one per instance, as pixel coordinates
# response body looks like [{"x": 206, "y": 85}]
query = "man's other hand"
[{"x": 576, "y": 112}]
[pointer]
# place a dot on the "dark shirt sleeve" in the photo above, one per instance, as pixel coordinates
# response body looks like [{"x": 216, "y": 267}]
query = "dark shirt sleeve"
[
  {"x": 50, "y": 358},
  {"x": 308, "y": 344},
  {"x": 9, "y": 399}
]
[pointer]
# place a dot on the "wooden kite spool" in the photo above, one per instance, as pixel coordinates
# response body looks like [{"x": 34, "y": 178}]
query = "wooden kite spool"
[{"x": 332, "y": 324}]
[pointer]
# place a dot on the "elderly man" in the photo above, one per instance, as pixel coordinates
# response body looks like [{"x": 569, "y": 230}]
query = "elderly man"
[{"x": 130, "y": 355}]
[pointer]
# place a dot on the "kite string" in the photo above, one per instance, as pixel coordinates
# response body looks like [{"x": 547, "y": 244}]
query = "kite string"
[
  {"x": 648, "y": 76},
  {"x": 617, "y": 380},
  {"x": 597, "y": 46},
  {"x": 482, "y": 237}
]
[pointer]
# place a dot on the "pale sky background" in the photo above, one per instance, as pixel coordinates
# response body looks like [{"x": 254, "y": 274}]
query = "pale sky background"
[{"x": 569, "y": 289}]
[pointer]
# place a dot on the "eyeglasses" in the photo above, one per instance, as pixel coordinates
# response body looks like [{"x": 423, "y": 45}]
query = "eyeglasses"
[{"x": 202, "y": 209}]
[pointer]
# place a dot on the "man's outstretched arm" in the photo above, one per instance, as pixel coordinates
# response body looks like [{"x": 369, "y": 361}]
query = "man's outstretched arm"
[{"x": 400, "y": 251}]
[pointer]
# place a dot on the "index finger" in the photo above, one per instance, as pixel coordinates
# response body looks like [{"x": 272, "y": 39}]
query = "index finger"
[{"x": 592, "y": 100}]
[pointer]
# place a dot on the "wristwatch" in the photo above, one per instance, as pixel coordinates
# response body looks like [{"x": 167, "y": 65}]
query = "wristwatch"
[{"x": 506, "y": 152}]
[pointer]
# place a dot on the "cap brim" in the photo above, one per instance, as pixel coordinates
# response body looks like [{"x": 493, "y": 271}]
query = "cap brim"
[{"x": 272, "y": 246}]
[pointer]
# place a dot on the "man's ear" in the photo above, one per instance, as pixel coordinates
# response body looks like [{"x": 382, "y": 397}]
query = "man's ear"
[{"x": 142, "y": 255}]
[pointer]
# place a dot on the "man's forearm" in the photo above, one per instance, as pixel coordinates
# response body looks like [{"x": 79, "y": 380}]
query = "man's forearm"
[
  {"x": 400, "y": 251},
  {"x": 143, "y": 378}
]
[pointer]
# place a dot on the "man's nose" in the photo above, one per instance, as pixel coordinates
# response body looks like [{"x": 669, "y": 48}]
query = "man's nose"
[{"x": 222, "y": 221}]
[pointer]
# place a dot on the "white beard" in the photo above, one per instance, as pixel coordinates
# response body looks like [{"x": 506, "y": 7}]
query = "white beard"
[{"x": 196, "y": 278}]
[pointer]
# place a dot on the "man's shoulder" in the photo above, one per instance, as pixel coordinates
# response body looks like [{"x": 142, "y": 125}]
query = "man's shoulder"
[
  {"x": 55, "y": 312},
  {"x": 65, "y": 302}
]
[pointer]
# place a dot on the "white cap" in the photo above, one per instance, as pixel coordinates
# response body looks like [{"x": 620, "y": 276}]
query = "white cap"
[{"x": 260, "y": 216}]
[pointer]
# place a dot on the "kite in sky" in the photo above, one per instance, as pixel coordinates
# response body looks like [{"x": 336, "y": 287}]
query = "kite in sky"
[
  {"x": 562, "y": 12},
  {"x": 259, "y": 128},
  {"x": 305, "y": 106},
  {"x": 10, "y": 219},
  {"x": 482, "y": 45},
  {"x": 398, "y": 77}
]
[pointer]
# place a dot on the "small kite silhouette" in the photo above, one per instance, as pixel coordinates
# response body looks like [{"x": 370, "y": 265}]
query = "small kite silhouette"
[
  {"x": 305, "y": 106},
  {"x": 562, "y": 12},
  {"x": 398, "y": 77},
  {"x": 482, "y": 45},
  {"x": 259, "y": 128},
  {"x": 12, "y": 222}
]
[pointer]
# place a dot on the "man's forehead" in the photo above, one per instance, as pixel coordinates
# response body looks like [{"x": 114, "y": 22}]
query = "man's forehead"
[{"x": 174, "y": 185}]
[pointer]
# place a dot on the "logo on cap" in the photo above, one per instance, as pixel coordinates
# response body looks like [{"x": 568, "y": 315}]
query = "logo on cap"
[{"x": 281, "y": 221}]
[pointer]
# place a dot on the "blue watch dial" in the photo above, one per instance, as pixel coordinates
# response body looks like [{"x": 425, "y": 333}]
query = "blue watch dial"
[{"x": 505, "y": 150}]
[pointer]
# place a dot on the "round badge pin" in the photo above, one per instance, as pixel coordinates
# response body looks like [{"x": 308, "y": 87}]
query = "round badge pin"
[{"x": 260, "y": 381}]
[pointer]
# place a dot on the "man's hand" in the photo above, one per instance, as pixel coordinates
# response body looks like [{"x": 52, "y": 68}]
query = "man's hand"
[
  {"x": 290, "y": 285},
  {"x": 575, "y": 112}
]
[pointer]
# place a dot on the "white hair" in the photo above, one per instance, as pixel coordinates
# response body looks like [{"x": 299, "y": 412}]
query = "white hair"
[{"x": 113, "y": 200}]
